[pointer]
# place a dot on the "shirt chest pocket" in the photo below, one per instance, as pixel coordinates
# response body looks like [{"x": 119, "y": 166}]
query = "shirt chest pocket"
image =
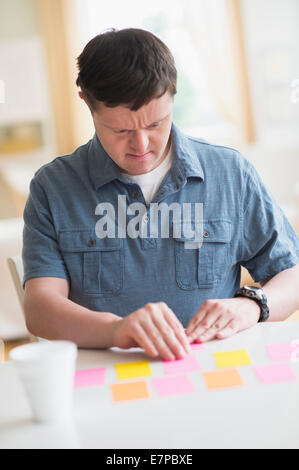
[
  {"x": 95, "y": 265},
  {"x": 203, "y": 265}
]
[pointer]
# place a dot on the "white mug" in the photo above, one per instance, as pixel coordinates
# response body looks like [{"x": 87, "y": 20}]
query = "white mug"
[{"x": 47, "y": 371}]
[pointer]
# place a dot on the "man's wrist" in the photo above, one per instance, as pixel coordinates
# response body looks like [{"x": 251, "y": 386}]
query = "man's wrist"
[
  {"x": 106, "y": 329},
  {"x": 251, "y": 307},
  {"x": 114, "y": 324}
]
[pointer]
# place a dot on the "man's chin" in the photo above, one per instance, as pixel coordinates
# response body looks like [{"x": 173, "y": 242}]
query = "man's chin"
[{"x": 139, "y": 168}]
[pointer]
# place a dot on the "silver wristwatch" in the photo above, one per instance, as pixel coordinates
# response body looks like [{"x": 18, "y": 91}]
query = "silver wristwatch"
[{"x": 257, "y": 294}]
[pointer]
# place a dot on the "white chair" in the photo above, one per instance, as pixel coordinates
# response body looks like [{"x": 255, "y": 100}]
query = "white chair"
[
  {"x": 16, "y": 269},
  {"x": 15, "y": 265}
]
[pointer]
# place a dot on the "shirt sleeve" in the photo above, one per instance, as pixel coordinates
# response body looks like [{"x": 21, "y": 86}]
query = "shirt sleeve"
[
  {"x": 41, "y": 254},
  {"x": 269, "y": 242}
]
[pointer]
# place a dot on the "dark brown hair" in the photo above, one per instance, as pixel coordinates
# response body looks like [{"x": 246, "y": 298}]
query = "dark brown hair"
[{"x": 126, "y": 67}]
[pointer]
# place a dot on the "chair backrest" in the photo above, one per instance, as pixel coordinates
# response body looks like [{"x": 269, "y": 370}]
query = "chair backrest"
[
  {"x": 15, "y": 265},
  {"x": 16, "y": 269}
]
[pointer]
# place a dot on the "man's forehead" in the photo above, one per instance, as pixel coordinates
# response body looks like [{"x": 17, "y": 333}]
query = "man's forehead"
[{"x": 122, "y": 117}]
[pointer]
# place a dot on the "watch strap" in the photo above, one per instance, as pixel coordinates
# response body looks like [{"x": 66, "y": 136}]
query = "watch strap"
[{"x": 258, "y": 295}]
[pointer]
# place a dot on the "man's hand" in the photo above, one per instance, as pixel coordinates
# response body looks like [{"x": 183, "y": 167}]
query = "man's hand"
[
  {"x": 220, "y": 318},
  {"x": 155, "y": 328}
]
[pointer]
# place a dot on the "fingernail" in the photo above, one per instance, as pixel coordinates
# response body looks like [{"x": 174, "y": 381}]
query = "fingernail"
[
  {"x": 203, "y": 337},
  {"x": 170, "y": 357},
  {"x": 181, "y": 355}
]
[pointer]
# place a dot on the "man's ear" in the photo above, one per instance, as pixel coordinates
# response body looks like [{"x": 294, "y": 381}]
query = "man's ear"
[{"x": 85, "y": 101}]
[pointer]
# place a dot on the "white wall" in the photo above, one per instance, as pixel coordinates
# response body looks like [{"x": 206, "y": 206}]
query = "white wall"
[
  {"x": 17, "y": 19},
  {"x": 23, "y": 70},
  {"x": 272, "y": 45}
]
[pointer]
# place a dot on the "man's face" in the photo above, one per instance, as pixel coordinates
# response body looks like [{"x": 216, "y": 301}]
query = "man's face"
[{"x": 137, "y": 141}]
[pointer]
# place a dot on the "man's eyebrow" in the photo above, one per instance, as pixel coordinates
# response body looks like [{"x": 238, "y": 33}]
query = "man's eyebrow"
[
  {"x": 159, "y": 120},
  {"x": 123, "y": 129}
]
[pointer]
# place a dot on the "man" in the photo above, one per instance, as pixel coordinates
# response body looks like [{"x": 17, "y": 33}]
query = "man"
[{"x": 150, "y": 290}]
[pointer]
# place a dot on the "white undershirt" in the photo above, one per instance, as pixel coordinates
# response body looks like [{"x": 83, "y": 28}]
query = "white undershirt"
[{"x": 150, "y": 182}]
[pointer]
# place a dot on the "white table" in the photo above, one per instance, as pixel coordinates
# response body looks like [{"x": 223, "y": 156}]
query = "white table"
[{"x": 252, "y": 416}]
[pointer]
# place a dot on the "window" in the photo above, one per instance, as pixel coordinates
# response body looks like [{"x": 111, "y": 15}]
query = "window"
[{"x": 193, "y": 30}]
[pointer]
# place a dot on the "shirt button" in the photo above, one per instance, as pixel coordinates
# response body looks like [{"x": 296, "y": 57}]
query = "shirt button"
[
  {"x": 206, "y": 234},
  {"x": 91, "y": 243},
  {"x": 146, "y": 218}
]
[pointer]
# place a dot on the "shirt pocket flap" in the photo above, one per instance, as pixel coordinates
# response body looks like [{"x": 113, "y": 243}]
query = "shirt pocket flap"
[
  {"x": 86, "y": 240},
  {"x": 216, "y": 231},
  {"x": 208, "y": 231}
]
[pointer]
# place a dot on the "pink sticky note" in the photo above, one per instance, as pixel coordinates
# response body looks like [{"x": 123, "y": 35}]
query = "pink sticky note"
[
  {"x": 186, "y": 364},
  {"x": 173, "y": 385},
  {"x": 196, "y": 346},
  {"x": 86, "y": 377},
  {"x": 283, "y": 351},
  {"x": 271, "y": 373}
]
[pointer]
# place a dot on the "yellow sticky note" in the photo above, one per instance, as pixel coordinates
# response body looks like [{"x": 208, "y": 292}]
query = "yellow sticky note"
[
  {"x": 237, "y": 357},
  {"x": 222, "y": 378},
  {"x": 129, "y": 391},
  {"x": 128, "y": 370}
]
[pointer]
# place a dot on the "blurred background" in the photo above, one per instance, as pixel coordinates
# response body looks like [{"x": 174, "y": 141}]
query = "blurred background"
[{"x": 238, "y": 85}]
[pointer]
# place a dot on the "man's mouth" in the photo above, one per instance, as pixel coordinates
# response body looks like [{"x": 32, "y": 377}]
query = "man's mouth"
[{"x": 139, "y": 157}]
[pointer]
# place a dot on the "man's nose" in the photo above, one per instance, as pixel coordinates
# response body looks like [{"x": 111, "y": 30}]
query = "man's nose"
[{"x": 139, "y": 142}]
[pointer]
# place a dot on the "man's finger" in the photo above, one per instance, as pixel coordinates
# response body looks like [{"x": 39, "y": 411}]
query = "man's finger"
[
  {"x": 220, "y": 322},
  {"x": 157, "y": 337},
  {"x": 230, "y": 329},
  {"x": 208, "y": 320},
  {"x": 141, "y": 337},
  {"x": 195, "y": 321},
  {"x": 167, "y": 333},
  {"x": 177, "y": 328}
]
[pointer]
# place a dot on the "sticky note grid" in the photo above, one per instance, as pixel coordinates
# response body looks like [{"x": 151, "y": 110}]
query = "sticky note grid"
[{"x": 175, "y": 379}]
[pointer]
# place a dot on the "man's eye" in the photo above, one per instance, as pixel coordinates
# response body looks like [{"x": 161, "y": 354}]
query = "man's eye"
[
  {"x": 156, "y": 124},
  {"x": 120, "y": 132}
]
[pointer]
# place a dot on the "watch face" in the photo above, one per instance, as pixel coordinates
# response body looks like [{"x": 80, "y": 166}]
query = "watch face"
[{"x": 254, "y": 292}]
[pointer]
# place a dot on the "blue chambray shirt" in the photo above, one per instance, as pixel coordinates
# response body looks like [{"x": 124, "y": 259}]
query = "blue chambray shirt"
[{"x": 242, "y": 224}]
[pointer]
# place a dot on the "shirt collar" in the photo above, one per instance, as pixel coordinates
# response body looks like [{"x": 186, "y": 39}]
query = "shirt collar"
[
  {"x": 186, "y": 161},
  {"x": 103, "y": 170}
]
